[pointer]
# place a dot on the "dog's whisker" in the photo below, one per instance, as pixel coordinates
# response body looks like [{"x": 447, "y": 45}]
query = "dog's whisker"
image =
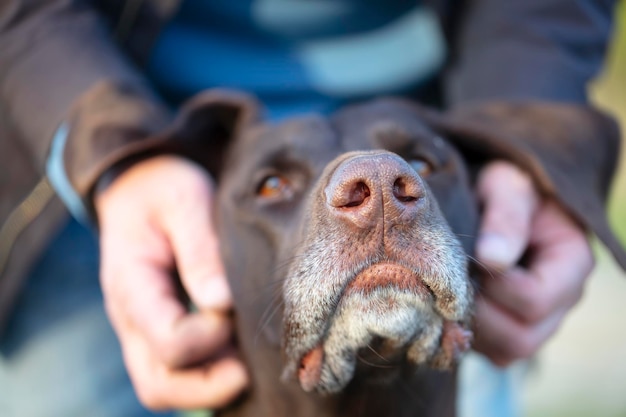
[
  {"x": 482, "y": 266},
  {"x": 376, "y": 353},
  {"x": 465, "y": 235},
  {"x": 275, "y": 298},
  {"x": 375, "y": 365},
  {"x": 267, "y": 320}
]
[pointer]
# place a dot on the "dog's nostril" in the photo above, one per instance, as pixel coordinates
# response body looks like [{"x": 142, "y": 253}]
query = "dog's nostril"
[
  {"x": 357, "y": 195},
  {"x": 404, "y": 193}
]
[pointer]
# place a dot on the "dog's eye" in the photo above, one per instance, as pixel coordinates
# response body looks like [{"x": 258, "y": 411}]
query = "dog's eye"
[
  {"x": 421, "y": 166},
  {"x": 274, "y": 186}
]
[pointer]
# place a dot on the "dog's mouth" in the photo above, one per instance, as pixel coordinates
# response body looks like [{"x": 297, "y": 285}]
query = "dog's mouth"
[
  {"x": 379, "y": 361},
  {"x": 385, "y": 318},
  {"x": 380, "y": 277},
  {"x": 386, "y": 275}
]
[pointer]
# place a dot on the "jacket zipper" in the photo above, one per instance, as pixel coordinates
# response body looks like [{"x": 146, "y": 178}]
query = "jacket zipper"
[{"x": 21, "y": 217}]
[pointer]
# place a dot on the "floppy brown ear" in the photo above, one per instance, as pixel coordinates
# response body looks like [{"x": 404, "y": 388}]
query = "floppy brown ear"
[
  {"x": 570, "y": 150},
  {"x": 208, "y": 123}
]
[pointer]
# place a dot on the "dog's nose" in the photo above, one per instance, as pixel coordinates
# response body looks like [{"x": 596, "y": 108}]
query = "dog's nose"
[{"x": 371, "y": 187}]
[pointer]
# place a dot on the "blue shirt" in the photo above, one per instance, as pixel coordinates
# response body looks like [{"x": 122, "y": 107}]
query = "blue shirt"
[{"x": 297, "y": 56}]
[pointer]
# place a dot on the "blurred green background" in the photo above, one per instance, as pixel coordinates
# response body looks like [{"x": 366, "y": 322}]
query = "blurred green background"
[{"x": 582, "y": 371}]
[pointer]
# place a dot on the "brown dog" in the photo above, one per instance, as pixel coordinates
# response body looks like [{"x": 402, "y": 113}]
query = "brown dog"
[
  {"x": 337, "y": 216},
  {"x": 346, "y": 242}
]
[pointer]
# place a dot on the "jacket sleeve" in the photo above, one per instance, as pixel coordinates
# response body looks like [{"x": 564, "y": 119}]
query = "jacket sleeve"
[
  {"x": 58, "y": 64},
  {"x": 516, "y": 90},
  {"x": 527, "y": 49},
  {"x": 570, "y": 151}
]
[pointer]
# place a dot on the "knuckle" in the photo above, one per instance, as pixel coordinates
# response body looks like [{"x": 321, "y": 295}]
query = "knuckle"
[
  {"x": 522, "y": 347},
  {"x": 529, "y": 304},
  {"x": 114, "y": 315},
  {"x": 150, "y": 396},
  {"x": 514, "y": 223},
  {"x": 113, "y": 274},
  {"x": 578, "y": 238},
  {"x": 170, "y": 353},
  {"x": 107, "y": 276},
  {"x": 533, "y": 309},
  {"x": 515, "y": 178},
  {"x": 178, "y": 352},
  {"x": 576, "y": 295},
  {"x": 587, "y": 259},
  {"x": 522, "y": 187},
  {"x": 502, "y": 362}
]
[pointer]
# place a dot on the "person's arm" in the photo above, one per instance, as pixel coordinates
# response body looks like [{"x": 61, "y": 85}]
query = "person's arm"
[
  {"x": 62, "y": 77},
  {"x": 59, "y": 65},
  {"x": 518, "y": 76},
  {"x": 543, "y": 50}
]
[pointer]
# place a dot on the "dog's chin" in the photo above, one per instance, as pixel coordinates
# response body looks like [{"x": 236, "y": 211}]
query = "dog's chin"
[
  {"x": 384, "y": 322},
  {"x": 380, "y": 363}
]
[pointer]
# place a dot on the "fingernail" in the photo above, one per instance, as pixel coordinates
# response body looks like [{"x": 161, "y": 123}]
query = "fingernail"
[
  {"x": 494, "y": 250},
  {"x": 214, "y": 293}
]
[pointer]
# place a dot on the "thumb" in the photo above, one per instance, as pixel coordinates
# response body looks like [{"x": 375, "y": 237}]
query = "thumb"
[{"x": 509, "y": 203}]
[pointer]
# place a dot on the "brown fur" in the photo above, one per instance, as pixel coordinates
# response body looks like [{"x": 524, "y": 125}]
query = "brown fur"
[{"x": 354, "y": 298}]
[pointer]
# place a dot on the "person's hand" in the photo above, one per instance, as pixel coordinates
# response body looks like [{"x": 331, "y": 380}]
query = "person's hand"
[
  {"x": 519, "y": 306},
  {"x": 155, "y": 218}
]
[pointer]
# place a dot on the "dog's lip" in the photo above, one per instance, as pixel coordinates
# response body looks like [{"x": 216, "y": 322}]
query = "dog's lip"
[
  {"x": 384, "y": 274},
  {"x": 374, "y": 359},
  {"x": 310, "y": 370}
]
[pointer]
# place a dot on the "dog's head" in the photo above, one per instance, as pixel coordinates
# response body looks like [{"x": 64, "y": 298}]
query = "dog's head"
[
  {"x": 353, "y": 228},
  {"x": 377, "y": 278}
]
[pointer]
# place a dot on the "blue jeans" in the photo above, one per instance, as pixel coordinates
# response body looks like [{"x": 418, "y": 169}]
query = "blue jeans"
[{"x": 59, "y": 355}]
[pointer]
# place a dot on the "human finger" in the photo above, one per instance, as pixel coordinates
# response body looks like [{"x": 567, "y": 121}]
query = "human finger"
[
  {"x": 504, "y": 339},
  {"x": 138, "y": 260},
  {"x": 195, "y": 245},
  {"x": 509, "y": 201},
  {"x": 144, "y": 296},
  {"x": 559, "y": 261},
  {"x": 211, "y": 384}
]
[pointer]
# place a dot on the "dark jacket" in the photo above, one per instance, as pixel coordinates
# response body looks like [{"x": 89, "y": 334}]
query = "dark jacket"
[{"x": 79, "y": 61}]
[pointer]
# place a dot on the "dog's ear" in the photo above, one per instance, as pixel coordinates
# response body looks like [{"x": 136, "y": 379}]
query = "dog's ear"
[
  {"x": 208, "y": 124},
  {"x": 570, "y": 150}
]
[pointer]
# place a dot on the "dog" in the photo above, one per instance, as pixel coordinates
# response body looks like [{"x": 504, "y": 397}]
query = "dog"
[{"x": 346, "y": 241}]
